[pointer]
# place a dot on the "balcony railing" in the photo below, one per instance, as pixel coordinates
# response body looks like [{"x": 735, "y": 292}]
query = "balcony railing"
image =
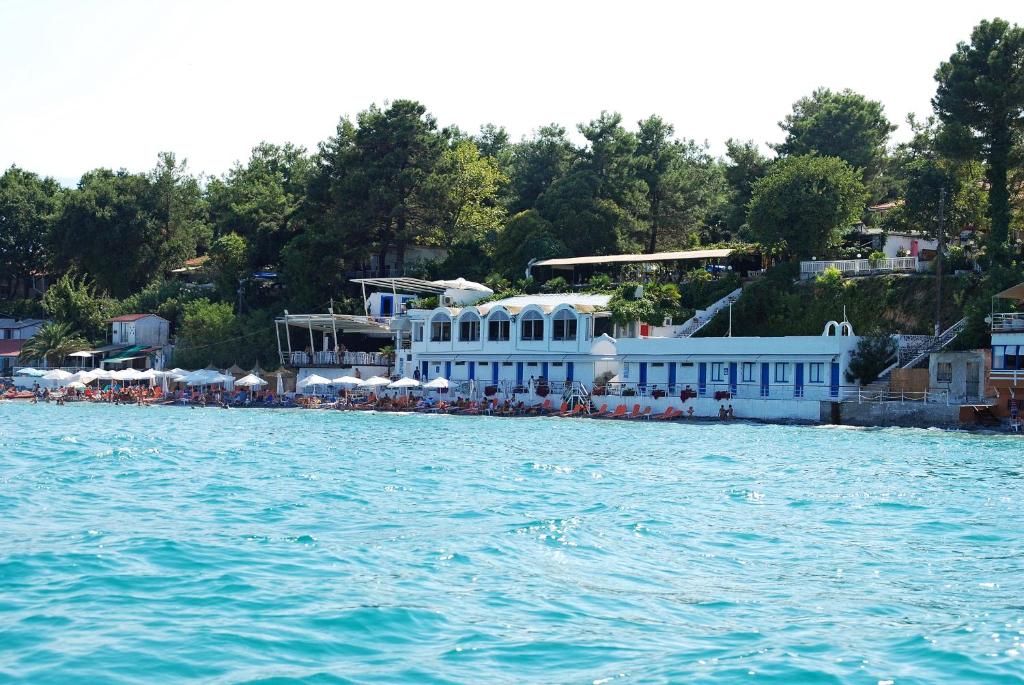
[
  {"x": 334, "y": 359},
  {"x": 1008, "y": 322},
  {"x": 856, "y": 267}
]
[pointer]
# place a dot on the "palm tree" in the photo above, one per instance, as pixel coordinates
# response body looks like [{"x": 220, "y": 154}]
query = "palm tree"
[{"x": 53, "y": 342}]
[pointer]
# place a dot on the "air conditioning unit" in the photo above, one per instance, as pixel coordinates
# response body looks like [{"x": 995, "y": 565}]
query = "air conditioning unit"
[
  {"x": 667, "y": 321},
  {"x": 446, "y": 301}
]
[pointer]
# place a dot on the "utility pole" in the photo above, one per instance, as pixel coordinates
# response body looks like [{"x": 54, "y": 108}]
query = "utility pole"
[{"x": 938, "y": 262}]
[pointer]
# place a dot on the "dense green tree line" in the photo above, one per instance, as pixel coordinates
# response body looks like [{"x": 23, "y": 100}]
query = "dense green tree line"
[{"x": 391, "y": 178}]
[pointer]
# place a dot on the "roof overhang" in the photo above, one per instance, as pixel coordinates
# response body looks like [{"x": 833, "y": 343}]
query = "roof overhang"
[
  {"x": 343, "y": 323},
  {"x": 406, "y": 285},
  {"x": 631, "y": 258},
  {"x": 1014, "y": 293}
]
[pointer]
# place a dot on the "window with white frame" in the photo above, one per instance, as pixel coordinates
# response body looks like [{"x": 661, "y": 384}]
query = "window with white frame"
[
  {"x": 469, "y": 328},
  {"x": 417, "y": 333},
  {"x": 717, "y": 372},
  {"x": 781, "y": 372},
  {"x": 440, "y": 329},
  {"x": 563, "y": 325},
  {"x": 531, "y": 326},
  {"x": 749, "y": 372},
  {"x": 498, "y": 326},
  {"x": 816, "y": 372}
]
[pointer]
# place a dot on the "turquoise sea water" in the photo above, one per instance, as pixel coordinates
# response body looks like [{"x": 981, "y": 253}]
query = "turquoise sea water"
[{"x": 142, "y": 545}]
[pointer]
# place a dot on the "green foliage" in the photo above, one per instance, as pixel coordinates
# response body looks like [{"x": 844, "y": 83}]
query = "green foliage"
[
  {"x": 745, "y": 166},
  {"x": 28, "y": 208},
  {"x": 876, "y": 257},
  {"x": 845, "y": 125},
  {"x": 72, "y": 301},
  {"x": 980, "y": 99},
  {"x": 229, "y": 260},
  {"x": 555, "y": 285},
  {"x": 656, "y": 301},
  {"x": 526, "y": 236},
  {"x": 873, "y": 355},
  {"x": 208, "y": 332},
  {"x": 804, "y": 203},
  {"x": 599, "y": 283},
  {"x": 54, "y": 341},
  {"x": 166, "y": 298},
  {"x": 462, "y": 195},
  {"x": 830, "y": 278}
]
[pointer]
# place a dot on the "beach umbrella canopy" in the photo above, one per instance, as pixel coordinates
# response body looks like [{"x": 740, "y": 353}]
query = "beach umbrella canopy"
[
  {"x": 76, "y": 385},
  {"x": 28, "y": 371},
  {"x": 314, "y": 380},
  {"x": 101, "y": 374},
  {"x": 123, "y": 375},
  {"x": 375, "y": 382},
  {"x": 350, "y": 381},
  {"x": 249, "y": 381},
  {"x": 405, "y": 382},
  {"x": 439, "y": 383},
  {"x": 280, "y": 384},
  {"x": 56, "y": 375},
  {"x": 147, "y": 375}
]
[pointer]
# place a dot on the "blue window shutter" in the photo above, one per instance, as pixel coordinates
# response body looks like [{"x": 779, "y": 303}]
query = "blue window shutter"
[
  {"x": 732, "y": 378},
  {"x": 702, "y": 378},
  {"x": 765, "y": 379}
]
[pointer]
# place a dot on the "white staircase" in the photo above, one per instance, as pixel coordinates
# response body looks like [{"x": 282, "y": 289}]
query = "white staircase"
[
  {"x": 704, "y": 316},
  {"x": 575, "y": 394},
  {"x": 914, "y": 349}
]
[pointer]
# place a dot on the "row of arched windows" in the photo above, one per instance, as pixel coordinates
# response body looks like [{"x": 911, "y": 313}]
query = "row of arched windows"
[{"x": 469, "y": 326}]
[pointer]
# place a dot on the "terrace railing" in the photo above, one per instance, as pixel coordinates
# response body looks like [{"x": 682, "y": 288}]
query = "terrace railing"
[
  {"x": 327, "y": 359},
  {"x": 860, "y": 267},
  {"x": 1008, "y": 322}
]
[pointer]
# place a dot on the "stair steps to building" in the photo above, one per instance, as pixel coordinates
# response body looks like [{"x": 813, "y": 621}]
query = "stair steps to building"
[
  {"x": 704, "y": 316},
  {"x": 576, "y": 394},
  {"x": 984, "y": 416},
  {"x": 918, "y": 349}
]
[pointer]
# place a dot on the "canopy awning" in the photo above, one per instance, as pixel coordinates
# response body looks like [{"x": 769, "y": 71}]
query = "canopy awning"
[
  {"x": 343, "y": 323},
  {"x": 405, "y": 285},
  {"x": 1014, "y": 293},
  {"x": 125, "y": 355},
  {"x": 630, "y": 258}
]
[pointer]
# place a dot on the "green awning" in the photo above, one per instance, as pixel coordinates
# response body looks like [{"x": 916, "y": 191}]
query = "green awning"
[{"x": 124, "y": 354}]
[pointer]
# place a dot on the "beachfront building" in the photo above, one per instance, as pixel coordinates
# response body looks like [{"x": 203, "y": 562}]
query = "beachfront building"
[
  {"x": 509, "y": 347},
  {"x": 139, "y": 341},
  {"x": 1006, "y": 373},
  {"x": 333, "y": 345},
  {"x": 13, "y": 335}
]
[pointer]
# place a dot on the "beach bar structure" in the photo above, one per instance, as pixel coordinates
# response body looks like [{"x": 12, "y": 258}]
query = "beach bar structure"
[{"x": 578, "y": 270}]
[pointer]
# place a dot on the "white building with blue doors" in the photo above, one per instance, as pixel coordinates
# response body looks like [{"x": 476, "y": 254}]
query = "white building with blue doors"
[
  {"x": 511, "y": 344},
  {"x": 766, "y": 378}
]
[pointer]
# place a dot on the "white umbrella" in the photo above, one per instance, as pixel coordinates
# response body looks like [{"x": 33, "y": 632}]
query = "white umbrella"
[
  {"x": 439, "y": 383},
  {"x": 76, "y": 385},
  {"x": 405, "y": 383},
  {"x": 82, "y": 377},
  {"x": 101, "y": 374},
  {"x": 28, "y": 371},
  {"x": 280, "y": 384},
  {"x": 375, "y": 382},
  {"x": 350, "y": 381},
  {"x": 56, "y": 375},
  {"x": 124, "y": 375},
  {"x": 251, "y": 380},
  {"x": 148, "y": 375},
  {"x": 314, "y": 379}
]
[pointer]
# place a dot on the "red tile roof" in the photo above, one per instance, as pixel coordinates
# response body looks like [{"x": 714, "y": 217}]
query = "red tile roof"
[
  {"x": 10, "y": 348},
  {"x": 129, "y": 317}
]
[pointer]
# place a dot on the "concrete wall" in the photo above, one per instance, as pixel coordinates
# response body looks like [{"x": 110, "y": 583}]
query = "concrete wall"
[
  {"x": 960, "y": 387},
  {"x": 909, "y": 414},
  {"x": 908, "y": 380}
]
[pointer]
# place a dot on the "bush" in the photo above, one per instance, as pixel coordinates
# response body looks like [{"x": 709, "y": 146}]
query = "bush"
[
  {"x": 876, "y": 257},
  {"x": 873, "y": 355},
  {"x": 830, "y": 278},
  {"x": 555, "y": 285}
]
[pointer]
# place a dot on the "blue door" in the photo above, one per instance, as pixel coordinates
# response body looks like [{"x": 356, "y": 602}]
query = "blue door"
[
  {"x": 798, "y": 380},
  {"x": 672, "y": 377},
  {"x": 519, "y": 373},
  {"x": 544, "y": 370},
  {"x": 732, "y": 378},
  {"x": 424, "y": 370},
  {"x": 834, "y": 386},
  {"x": 643, "y": 376},
  {"x": 448, "y": 370},
  {"x": 702, "y": 378},
  {"x": 765, "y": 377},
  {"x": 568, "y": 372},
  {"x": 387, "y": 305},
  {"x": 472, "y": 370},
  {"x": 495, "y": 368}
]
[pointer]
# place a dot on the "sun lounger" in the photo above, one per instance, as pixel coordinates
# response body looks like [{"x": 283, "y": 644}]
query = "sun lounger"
[
  {"x": 603, "y": 411},
  {"x": 633, "y": 415},
  {"x": 619, "y": 412}
]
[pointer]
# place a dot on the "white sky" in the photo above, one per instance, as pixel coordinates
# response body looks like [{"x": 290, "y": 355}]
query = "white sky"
[{"x": 88, "y": 83}]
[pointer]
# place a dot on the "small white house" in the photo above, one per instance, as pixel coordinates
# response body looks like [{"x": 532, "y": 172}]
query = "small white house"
[
  {"x": 961, "y": 374},
  {"x": 139, "y": 329}
]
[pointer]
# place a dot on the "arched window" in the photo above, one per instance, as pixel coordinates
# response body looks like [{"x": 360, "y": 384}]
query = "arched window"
[
  {"x": 498, "y": 326},
  {"x": 440, "y": 328},
  {"x": 531, "y": 326},
  {"x": 469, "y": 327},
  {"x": 563, "y": 325}
]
